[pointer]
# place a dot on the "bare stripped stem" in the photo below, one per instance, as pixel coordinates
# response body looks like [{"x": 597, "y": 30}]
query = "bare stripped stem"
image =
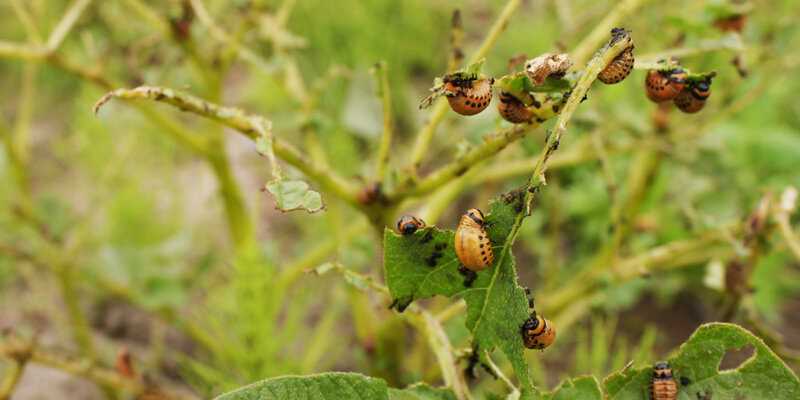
[
  {"x": 247, "y": 124},
  {"x": 443, "y": 350},
  {"x": 456, "y": 42},
  {"x": 425, "y": 134},
  {"x": 385, "y": 94}
]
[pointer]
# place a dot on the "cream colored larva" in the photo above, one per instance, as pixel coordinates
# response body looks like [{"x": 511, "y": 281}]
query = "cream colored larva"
[{"x": 472, "y": 244}]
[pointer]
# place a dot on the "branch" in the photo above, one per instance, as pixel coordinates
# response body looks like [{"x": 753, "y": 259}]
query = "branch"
[
  {"x": 599, "y": 34},
  {"x": 425, "y": 134},
  {"x": 247, "y": 124},
  {"x": 384, "y": 92},
  {"x": 12, "y": 348},
  {"x": 492, "y": 145},
  {"x": 61, "y": 30}
]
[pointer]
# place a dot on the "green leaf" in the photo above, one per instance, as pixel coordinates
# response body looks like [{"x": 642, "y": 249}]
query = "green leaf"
[
  {"x": 333, "y": 385},
  {"x": 421, "y": 391},
  {"x": 762, "y": 376},
  {"x": 580, "y": 388},
  {"x": 326, "y": 386},
  {"x": 424, "y": 264},
  {"x": 291, "y": 195}
]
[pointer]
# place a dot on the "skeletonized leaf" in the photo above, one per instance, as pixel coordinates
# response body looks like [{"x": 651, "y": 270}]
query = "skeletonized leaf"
[
  {"x": 291, "y": 195},
  {"x": 762, "y": 376}
]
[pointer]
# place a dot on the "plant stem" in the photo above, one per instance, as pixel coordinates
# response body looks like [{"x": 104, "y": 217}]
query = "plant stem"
[
  {"x": 11, "y": 379},
  {"x": 425, "y": 134},
  {"x": 384, "y": 92},
  {"x": 599, "y": 34},
  {"x": 248, "y": 125},
  {"x": 440, "y": 344},
  {"x": 66, "y": 23}
]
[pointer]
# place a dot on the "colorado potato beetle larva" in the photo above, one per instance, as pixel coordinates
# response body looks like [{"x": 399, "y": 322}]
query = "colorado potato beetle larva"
[
  {"x": 538, "y": 333},
  {"x": 512, "y": 109},
  {"x": 468, "y": 96},
  {"x": 472, "y": 244},
  {"x": 618, "y": 69},
  {"x": 693, "y": 98},
  {"x": 663, "y": 386},
  {"x": 408, "y": 224},
  {"x": 664, "y": 85}
]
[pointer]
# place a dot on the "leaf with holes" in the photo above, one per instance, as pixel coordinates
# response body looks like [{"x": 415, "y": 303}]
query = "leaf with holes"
[
  {"x": 424, "y": 264},
  {"x": 333, "y": 385},
  {"x": 762, "y": 376}
]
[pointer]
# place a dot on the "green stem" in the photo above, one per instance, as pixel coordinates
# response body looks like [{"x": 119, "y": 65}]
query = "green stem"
[
  {"x": 599, "y": 34},
  {"x": 384, "y": 92},
  {"x": 247, "y": 124},
  {"x": 425, "y": 135}
]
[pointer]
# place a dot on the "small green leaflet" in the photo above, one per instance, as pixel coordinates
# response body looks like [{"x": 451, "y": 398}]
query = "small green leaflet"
[
  {"x": 520, "y": 86},
  {"x": 762, "y": 376},
  {"x": 291, "y": 195},
  {"x": 424, "y": 265},
  {"x": 330, "y": 386}
]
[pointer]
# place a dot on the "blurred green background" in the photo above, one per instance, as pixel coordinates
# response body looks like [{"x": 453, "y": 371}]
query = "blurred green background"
[{"x": 115, "y": 232}]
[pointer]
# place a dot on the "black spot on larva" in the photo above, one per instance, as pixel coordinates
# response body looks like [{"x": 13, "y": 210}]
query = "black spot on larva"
[
  {"x": 536, "y": 103},
  {"x": 483, "y": 253},
  {"x": 481, "y": 245}
]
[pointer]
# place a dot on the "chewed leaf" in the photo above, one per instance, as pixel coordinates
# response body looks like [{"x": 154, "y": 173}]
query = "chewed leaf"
[
  {"x": 291, "y": 195},
  {"x": 520, "y": 86},
  {"x": 424, "y": 265},
  {"x": 762, "y": 376},
  {"x": 580, "y": 388}
]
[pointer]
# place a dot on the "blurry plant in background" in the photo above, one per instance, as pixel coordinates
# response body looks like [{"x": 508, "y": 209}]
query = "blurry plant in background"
[{"x": 162, "y": 232}]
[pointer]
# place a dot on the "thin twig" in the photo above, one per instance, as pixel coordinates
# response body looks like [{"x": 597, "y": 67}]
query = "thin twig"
[
  {"x": 782, "y": 214},
  {"x": 425, "y": 134},
  {"x": 599, "y": 34},
  {"x": 247, "y": 124},
  {"x": 61, "y": 30},
  {"x": 382, "y": 82}
]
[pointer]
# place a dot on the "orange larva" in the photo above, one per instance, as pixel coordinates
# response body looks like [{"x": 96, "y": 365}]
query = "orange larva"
[
  {"x": 408, "y": 224},
  {"x": 664, "y": 85},
  {"x": 693, "y": 98},
  {"x": 663, "y": 386},
  {"x": 468, "y": 96},
  {"x": 618, "y": 69},
  {"x": 538, "y": 333},
  {"x": 472, "y": 244},
  {"x": 733, "y": 23},
  {"x": 512, "y": 109}
]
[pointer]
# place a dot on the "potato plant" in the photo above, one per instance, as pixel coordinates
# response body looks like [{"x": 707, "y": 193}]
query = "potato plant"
[{"x": 239, "y": 199}]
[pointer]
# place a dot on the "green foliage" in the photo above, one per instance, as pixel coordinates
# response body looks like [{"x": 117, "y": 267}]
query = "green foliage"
[
  {"x": 424, "y": 265},
  {"x": 293, "y": 195},
  {"x": 333, "y": 385},
  {"x": 762, "y": 376}
]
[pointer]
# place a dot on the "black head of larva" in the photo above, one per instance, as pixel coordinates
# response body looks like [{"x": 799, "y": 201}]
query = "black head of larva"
[
  {"x": 693, "y": 98},
  {"x": 408, "y": 224},
  {"x": 476, "y": 215},
  {"x": 661, "y": 370}
]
